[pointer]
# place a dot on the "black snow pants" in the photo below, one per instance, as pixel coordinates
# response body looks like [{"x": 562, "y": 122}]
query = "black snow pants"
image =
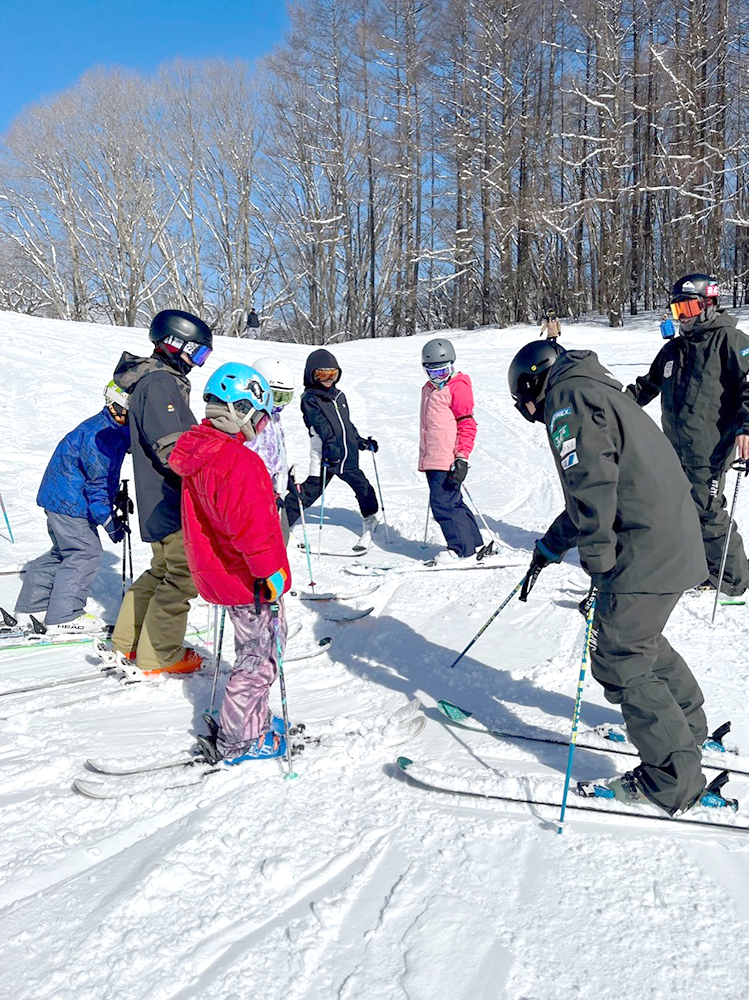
[
  {"x": 659, "y": 697},
  {"x": 311, "y": 489},
  {"x": 707, "y": 493}
]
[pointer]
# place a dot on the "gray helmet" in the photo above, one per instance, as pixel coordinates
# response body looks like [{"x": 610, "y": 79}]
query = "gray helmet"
[{"x": 438, "y": 352}]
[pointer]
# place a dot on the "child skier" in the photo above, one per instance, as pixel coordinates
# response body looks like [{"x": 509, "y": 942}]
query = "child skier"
[
  {"x": 236, "y": 554},
  {"x": 447, "y": 434},
  {"x": 334, "y": 442},
  {"x": 77, "y": 493},
  {"x": 271, "y": 444}
]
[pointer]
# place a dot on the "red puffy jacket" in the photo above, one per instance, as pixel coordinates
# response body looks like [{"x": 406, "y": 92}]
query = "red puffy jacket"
[{"x": 229, "y": 515}]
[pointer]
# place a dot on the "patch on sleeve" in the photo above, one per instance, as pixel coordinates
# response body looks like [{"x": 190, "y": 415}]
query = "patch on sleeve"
[
  {"x": 668, "y": 369},
  {"x": 561, "y": 435},
  {"x": 568, "y": 446},
  {"x": 570, "y": 460},
  {"x": 566, "y": 412},
  {"x": 744, "y": 352},
  {"x": 170, "y": 407}
]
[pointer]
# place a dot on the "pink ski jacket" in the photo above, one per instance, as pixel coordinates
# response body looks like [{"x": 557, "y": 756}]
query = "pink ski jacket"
[{"x": 447, "y": 428}]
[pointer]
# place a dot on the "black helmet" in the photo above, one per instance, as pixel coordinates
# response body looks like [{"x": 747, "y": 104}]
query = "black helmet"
[
  {"x": 527, "y": 374},
  {"x": 180, "y": 325},
  {"x": 696, "y": 286},
  {"x": 438, "y": 352}
]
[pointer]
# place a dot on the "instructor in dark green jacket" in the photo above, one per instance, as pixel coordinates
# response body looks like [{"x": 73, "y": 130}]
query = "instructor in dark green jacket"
[
  {"x": 630, "y": 514},
  {"x": 702, "y": 380}
]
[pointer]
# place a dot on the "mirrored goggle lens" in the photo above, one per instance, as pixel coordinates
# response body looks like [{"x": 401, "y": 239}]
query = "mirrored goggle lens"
[
  {"x": 686, "y": 309},
  {"x": 200, "y": 355},
  {"x": 438, "y": 372},
  {"x": 282, "y": 397},
  {"x": 323, "y": 374}
]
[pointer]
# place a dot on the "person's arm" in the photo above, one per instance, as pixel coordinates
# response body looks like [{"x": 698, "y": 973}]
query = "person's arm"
[
  {"x": 246, "y": 510},
  {"x": 165, "y": 416},
  {"x": 461, "y": 404},
  {"x": 647, "y": 387},
  {"x": 314, "y": 417},
  {"x": 582, "y": 438},
  {"x": 97, "y": 455}
]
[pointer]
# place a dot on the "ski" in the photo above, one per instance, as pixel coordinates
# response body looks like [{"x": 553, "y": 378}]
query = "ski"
[
  {"x": 717, "y": 761},
  {"x": 357, "y": 550},
  {"x": 120, "y": 779},
  {"x": 312, "y": 595},
  {"x": 481, "y": 786},
  {"x": 346, "y": 615},
  {"x": 414, "y": 566}
]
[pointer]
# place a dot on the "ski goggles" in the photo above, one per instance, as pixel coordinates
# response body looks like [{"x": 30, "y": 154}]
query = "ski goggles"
[
  {"x": 197, "y": 353},
  {"x": 439, "y": 374},
  {"x": 686, "y": 308},
  {"x": 282, "y": 397},
  {"x": 324, "y": 374}
]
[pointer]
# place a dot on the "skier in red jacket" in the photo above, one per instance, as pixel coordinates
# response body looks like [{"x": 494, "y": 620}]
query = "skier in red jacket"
[{"x": 236, "y": 553}]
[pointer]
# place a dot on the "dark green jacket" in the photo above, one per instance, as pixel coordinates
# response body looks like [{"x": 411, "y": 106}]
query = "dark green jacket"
[
  {"x": 629, "y": 508},
  {"x": 701, "y": 377}
]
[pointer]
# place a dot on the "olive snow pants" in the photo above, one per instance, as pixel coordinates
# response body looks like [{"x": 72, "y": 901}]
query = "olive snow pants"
[
  {"x": 153, "y": 615},
  {"x": 659, "y": 697},
  {"x": 707, "y": 493}
]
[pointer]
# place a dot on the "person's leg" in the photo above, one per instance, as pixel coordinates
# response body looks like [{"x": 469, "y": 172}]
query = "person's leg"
[
  {"x": 39, "y": 579},
  {"x": 458, "y": 525},
  {"x": 80, "y": 547},
  {"x": 659, "y": 698},
  {"x": 244, "y": 713},
  {"x": 162, "y": 637},
  {"x": 707, "y": 493},
  {"x": 129, "y": 624},
  {"x": 365, "y": 495},
  {"x": 309, "y": 491}
]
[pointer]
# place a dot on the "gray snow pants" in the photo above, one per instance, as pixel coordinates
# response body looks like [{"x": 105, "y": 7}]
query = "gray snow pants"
[
  {"x": 707, "y": 493},
  {"x": 57, "y": 584},
  {"x": 659, "y": 697},
  {"x": 244, "y": 711}
]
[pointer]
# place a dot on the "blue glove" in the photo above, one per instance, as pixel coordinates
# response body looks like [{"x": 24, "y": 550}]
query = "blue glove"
[{"x": 276, "y": 584}]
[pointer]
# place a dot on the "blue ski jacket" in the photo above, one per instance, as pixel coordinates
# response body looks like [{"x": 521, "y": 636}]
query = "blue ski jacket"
[{"x": 83, "y": 475}]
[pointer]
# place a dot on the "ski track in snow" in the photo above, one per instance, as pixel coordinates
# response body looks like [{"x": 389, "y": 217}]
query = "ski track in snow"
[{"x": 349, "y": 883}]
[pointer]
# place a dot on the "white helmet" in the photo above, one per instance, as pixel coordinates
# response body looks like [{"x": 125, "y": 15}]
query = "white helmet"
[
  {"x": 113, "y": 394},
  {"x": 279, "y": 377}
]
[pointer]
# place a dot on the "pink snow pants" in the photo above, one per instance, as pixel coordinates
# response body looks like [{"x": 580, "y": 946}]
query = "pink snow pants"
[{"x": 244, "y": 711}]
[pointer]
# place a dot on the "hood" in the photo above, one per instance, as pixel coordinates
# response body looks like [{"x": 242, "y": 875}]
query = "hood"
[
  {"x": 131, "y": 369},
  {"x": 320, "y": 359},
  {"x": 196, "y": 447},
  {"x": 720, "y": 321},
  {"x": 574, "y": 363}
]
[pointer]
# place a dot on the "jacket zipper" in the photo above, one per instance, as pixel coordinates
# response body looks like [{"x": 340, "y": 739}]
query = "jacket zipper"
[{"x": 343, "y": 431}]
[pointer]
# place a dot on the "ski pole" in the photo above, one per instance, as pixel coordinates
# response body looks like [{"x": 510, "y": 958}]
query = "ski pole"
[
  {"x": 741, "y": 466},
  {"x": 304, "y": 532},
  {"x": 483, "y": 519},
  {"x": 324, "y": 470},
  {"x": 588, "y": 647},
  {"x": 382, "y": 504},
  {"x": 282, "y": 682},
  {"x": 484, "y": 627},
  {"x": 426, "y": 523},
  {"x": 5, "y": 515},
  {"x": 217, "y": 656}
]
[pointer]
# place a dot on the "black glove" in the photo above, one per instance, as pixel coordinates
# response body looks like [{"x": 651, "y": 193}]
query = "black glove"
[
  {"x": 368, "y": 444},
  {"x": 122, "y": 503},
  {"x": 456, "y": 475},
  {"x": 538, "y": 562},
  {"x": 331, "y": 460},
  {"x": 117, "y": 528}
]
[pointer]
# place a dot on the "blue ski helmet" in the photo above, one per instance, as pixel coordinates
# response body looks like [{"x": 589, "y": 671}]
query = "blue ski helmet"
[{"x": 242, "y": 389}]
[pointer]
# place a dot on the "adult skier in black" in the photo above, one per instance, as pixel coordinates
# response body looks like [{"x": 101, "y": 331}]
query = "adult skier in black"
[
  {"x": 702, "y": 380},
  {"x": 630, "y": 514}
]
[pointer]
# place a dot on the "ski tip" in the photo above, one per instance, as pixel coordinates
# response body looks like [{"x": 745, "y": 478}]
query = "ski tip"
[
  {"x": 453, "y": 712},
  {"x": 404, "y": 763}
]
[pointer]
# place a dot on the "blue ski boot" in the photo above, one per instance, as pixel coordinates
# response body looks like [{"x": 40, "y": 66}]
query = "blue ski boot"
[{"x": 265, "y": 748}]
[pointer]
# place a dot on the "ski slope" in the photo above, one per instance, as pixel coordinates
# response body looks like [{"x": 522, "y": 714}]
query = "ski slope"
[{"x": 350, "y": 883}]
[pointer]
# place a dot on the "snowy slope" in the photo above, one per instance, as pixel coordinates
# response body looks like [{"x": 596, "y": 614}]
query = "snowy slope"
[{"x": 350, "y": 883}]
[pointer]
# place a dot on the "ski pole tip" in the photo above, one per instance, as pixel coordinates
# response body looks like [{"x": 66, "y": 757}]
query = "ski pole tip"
[{"x": 290, "y": 776}]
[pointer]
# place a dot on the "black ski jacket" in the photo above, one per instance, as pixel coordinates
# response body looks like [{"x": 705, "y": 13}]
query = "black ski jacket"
[
  {"x": 701, "y": 376},
  {"x": 159, "y": 412},
  {"x": 333, "y": 436},
  {"x": 629, "y": 509}
]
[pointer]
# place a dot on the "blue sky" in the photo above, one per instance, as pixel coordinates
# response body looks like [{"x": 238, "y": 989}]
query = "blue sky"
[{"x": 46, "y": 45}]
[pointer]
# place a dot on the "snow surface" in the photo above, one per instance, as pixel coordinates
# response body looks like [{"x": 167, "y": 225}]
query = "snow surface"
[{"x": 350, "y": 883}]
